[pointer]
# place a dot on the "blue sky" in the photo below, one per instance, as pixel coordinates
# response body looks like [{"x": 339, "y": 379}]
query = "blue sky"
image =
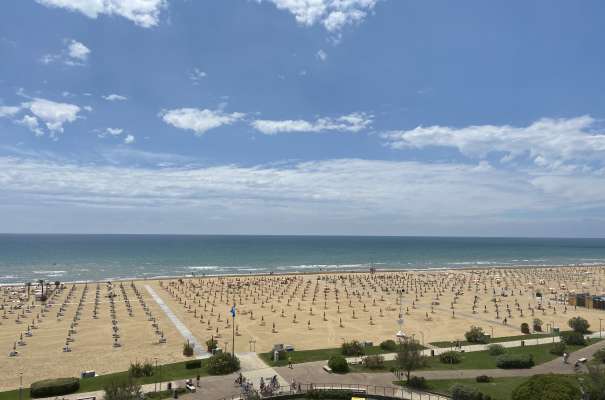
[{"x": 302, "y": 117}]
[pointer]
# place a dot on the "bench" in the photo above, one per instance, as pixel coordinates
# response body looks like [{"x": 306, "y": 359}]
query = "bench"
[{"x": 327, "y": 369}]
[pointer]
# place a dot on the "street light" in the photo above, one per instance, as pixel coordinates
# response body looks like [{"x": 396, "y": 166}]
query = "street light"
[
  {"x": 20, "y": 385},
  {"x": 600, "y": 329},
  {"x": 155, "y": 385}
]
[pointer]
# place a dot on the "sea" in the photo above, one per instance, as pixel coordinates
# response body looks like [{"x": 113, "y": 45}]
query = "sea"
[{"x": 76, "y": 258}]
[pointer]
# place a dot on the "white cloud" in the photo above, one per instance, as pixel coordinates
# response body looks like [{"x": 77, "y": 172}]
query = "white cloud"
[
  {"x": 111, "y": 132},
  {"x": 354, "y": 122},
  {"x": 322, "y": 55},
  {"x": 145, "y": 13},
  {"x": 9, "y": 111},
  {"x": 74, "y": 54},
  {"x": 129, "y": 139},
  {"x": 31, "y": 123},
  {"x": 348, "y": 192},
  {"x": 199, "y": 120},
  {"x": 53, "y": 114},
  {"x": 115, "y": 97},
  {"x": 77, "y": 50},
  {"x": 334, "y": 15},
  {"x": 546, "y": 142},
  {"x": 197, "y": 75}
]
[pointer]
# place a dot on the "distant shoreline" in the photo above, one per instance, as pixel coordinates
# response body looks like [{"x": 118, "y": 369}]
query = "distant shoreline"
[{"x": 305, "y": 273}]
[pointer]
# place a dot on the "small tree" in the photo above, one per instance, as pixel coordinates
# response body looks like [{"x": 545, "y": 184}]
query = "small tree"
[
  {"x": 352, "y": 349},
  {"x": 579, "y": 324},
  {"x": 525, "y": 328},
  {"x": 188, "y": 349},
  {"x": 476, "y": 335},
  {"x": 223, "y": 364},
  {"x": 409, "y": 357},
  {"x": 211, "y": 344},
  {"x": 550, "y": 387},
  {"x": 123, "y": 390},
  {"x": 338, "y": 364},
  {"x": 537, "y": 322}
]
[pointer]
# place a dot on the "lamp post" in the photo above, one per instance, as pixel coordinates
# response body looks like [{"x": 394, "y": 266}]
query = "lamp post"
[
  {"x": 155, "y": 385},
  {"x": 600, "y": 329}
]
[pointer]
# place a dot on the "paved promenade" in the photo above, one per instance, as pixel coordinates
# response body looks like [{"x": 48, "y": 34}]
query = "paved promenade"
[{"x": 253, "y": 368}]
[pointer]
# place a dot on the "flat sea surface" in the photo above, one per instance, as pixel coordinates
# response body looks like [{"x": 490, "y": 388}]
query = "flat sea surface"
[{"x": 96, "y": 257}]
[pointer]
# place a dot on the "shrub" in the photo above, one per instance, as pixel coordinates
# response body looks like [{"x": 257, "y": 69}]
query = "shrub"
[
  {"x": 579, "y": 324},
  {"x": 195, "y": 364},
  {"x": 122, "y": 390},
  {"x": 483, "y": 379},
  {"x": 537, "y": 324},
  {"x": 496, "y": 349},
  {"x": 600, "y": 355},
  {"x": 573, "y": 338},
  {"x": 139, "y": 370},
  {"x": 550, "y": 387},
  {"x": 388, "y": 345},
  {"x": 338, "y": 364},
  {"x": 417, "y": 382},
  {"x": 54, "y": 387},
  {"x": 462, "y": 392},
  {"x": 476, "y": 335},
  {"x": 373, "y": 362},
  {"x": 450, "y": 357},
  {"x": 188, "y": 349},
  {"x": 557, "y": 349},
  {"x": 525, "y": 328},
  {"x": 508, "y": 361},
  {"x": 352, "y": 349},
  {"x": 222, "y": 364},
  {"x": 211, "y": 344}
]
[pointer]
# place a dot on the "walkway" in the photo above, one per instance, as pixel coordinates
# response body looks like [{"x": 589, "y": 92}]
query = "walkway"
[{"x": 183, "y": 330}]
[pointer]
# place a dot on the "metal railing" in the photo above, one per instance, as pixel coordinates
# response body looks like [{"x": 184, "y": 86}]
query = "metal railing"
[{"x": 362, "y": 390}]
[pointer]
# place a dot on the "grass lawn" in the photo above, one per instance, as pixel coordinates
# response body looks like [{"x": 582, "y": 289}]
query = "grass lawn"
[
  {"x": 481, "y": 359},
  {"x": 498, "y": 388},
  {"x": 304, "y": 356},
  {"x": 165, "y": 373},
  {"x": 502, "y": 339}
]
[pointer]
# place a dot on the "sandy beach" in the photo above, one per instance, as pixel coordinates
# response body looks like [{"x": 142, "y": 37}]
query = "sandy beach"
[{"x": 308, "y": 311}]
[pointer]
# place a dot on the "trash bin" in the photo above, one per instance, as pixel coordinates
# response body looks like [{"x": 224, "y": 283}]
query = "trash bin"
[
  {"x": 523, "y": 343},
  {"x": 432, "y": 353}
]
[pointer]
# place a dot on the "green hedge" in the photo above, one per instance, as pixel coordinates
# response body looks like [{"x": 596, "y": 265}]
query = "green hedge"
[
  {"x": 54, "y": 387},
  {"x": 195, "y": 364},
  {"x": 508, "y": 361}
]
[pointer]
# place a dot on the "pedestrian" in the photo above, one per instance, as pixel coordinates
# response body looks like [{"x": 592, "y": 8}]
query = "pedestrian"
[
  {"x": 197, "y": 380},
  {"x": 290, "y": 362}
]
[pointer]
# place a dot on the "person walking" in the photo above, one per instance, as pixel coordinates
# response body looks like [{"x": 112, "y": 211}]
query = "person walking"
[
  {"x": 290, "y": 362},
  {"x": 197, "y": 380}
]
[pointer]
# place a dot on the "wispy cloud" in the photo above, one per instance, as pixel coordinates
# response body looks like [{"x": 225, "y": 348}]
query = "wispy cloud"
[
  {"x": 74, "y": 54},
  {"x": 334, "y": 15},
  {"x": 115, "y": 97},
  {"x": 547, "y": 142},
  {"x": 197, "y": 75},
  {"x": 354, "y": 122},
  {"x": 353, "y": 190},
  {"x": 145, "y": 13},
  {"x": 199, "y": 120}
]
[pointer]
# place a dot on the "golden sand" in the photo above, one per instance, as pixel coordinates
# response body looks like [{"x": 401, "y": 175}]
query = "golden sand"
[{"x": 307, "y": 311}]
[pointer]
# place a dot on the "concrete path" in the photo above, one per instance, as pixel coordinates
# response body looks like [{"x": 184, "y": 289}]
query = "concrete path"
[
  {"x": 183, "y": 330},
  {"x": 253, "y": 368}
]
